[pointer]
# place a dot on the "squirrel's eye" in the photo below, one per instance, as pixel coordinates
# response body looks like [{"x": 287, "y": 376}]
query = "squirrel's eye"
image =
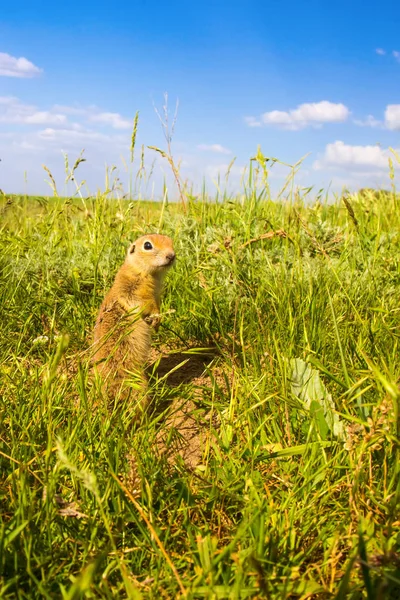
[{"x": 147, "y": 246}]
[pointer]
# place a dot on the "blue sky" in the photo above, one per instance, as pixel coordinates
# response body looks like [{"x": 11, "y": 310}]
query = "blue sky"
[{"x": 296, "y": 78}]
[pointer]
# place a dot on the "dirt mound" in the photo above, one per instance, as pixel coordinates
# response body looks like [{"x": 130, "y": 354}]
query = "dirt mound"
[{"x": 187, "y": 430}]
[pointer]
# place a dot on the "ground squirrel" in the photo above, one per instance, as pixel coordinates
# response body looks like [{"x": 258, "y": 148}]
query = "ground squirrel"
[{"x": 122, "y": 334}]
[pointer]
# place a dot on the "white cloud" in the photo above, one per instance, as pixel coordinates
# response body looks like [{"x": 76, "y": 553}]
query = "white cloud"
[
  {"x": 72, "y": 110},
  {"x": 115, "y": 120},
  {"x": 392, "y": 116},
  {"x": 70, "y": 138},
  {"x": 392, "y": 119},
  {"x": 10, "y": 66},
  {"x": 396, "y": 55},
  {"x": 252, "y": 122},
  {"x": 354, "y": 181},
  {"x": 221, "y": 170},
  {"x": 25, "y": 151},
  {"x": 31, "y": 136},
  {"x": 78, "y": 138},
  {"x": 339, "y": 154},
  {"x": 369, "y": 121},
  {"x": 309, "y": 114},
  {"x": 44, "y": 117},
  {"x": 12, "y": 111},
  {"x": 380, "y": 51},
  {"x": 24, "y": 145},
  {"x": 280, "y": 118},
  {"x": 217, "y": 148},
  {"x": 7, "y": 100}
]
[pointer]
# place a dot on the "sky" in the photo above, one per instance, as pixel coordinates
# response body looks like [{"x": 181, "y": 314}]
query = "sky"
[{"x": 300, "y": 79}]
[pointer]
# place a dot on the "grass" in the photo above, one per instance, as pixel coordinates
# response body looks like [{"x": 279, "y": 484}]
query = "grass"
[{"x": 281, "y": 504}]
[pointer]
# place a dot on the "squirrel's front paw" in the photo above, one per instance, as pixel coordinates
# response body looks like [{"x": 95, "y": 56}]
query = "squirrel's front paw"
[{"x": 153, "y": 320}]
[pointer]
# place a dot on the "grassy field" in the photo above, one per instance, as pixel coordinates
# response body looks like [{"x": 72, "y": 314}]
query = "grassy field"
[{"x": 269, "y": 465}]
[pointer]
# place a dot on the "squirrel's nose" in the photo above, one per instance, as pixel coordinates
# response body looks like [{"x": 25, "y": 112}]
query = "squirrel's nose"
[{"x": 170, "y": 257}]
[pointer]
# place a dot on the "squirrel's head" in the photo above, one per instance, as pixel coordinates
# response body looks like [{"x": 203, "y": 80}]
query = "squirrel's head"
[{"x": 152, "y": 254}]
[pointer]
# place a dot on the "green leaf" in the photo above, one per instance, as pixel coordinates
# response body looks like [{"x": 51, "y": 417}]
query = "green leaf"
[
  {"x": 308, "y": 387},
  {"x": 14, "y": 533}
]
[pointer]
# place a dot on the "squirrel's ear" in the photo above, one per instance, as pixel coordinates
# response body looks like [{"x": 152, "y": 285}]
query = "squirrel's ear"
[{"x": 132, "y": 249}]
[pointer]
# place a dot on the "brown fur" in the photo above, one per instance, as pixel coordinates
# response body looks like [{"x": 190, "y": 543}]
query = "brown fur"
[{"x": 122, "y": 334}]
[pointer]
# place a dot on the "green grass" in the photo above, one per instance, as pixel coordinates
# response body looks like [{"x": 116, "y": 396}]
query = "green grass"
[{"x": 280, "y": 506}]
